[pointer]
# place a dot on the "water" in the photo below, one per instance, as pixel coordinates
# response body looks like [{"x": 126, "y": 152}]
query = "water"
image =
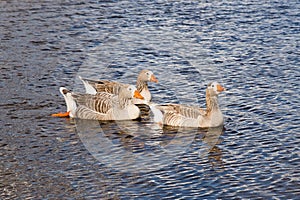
[{"x": 251, "y": 48}]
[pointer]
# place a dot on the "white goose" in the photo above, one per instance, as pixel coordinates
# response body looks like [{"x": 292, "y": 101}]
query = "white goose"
[
  {"x": 189, "y": 116},
  {"x": 145, "y": 76},
  {"x": 102, "y": 106}
]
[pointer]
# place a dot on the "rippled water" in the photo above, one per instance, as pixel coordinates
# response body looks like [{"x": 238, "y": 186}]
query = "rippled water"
[{"x": 250, "y": 47}]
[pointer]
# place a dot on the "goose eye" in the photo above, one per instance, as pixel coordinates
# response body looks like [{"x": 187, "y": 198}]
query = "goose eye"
[
  {"x": 213, "y": 85},
  {"x": 147, "y": 73},
  {"x": 130, "y": 89}
]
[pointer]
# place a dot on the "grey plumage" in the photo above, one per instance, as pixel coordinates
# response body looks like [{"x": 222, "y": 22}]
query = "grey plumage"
[
  {"x": 191, "y": 116},
  {"x": 114, "y": 87},
  {"x": 103, "y": 106}
]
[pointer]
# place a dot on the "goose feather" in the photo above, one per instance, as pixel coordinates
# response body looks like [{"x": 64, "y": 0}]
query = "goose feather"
[
  {"x": 145, "y": 76},
  {"x": 103, "y": 106},
  {"x": 192, "y": 116}
]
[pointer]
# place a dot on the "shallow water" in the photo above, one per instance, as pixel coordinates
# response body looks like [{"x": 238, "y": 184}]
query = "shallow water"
[{"x": 251, "y": 48}]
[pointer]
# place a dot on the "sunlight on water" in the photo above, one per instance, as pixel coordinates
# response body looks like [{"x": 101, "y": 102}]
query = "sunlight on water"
[{"x": 250, "y": 47}]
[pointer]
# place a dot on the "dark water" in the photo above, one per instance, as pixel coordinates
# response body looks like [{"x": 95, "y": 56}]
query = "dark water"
[{"x": 250, "y": 47}]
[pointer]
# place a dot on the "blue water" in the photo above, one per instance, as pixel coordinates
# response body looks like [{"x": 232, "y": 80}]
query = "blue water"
[{"x": 250, "y": 47}]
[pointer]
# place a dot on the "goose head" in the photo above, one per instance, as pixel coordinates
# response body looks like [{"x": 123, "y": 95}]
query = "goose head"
[
  {"x": 147, "y": 76},
  {"x": 130, "y": 92},
  {"x": 214, "y": 88}
]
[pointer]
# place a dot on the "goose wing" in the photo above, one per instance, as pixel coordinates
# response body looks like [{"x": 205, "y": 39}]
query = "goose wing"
[
  {"x": 179, "y": 115},
  {"x": 102, "y": 85},
  {"x": 101, "y": 102},
  {"x": 182, "y": 110},
  {"x": 108, "y": 86}
]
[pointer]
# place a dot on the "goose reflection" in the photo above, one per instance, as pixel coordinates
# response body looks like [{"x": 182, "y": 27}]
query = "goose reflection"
[{"x": 132, "y": 145}]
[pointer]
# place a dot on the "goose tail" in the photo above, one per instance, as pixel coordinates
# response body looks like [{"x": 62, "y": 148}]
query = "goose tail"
[
  {"x": 157, "y": 113},
  {"x": 89, "y": 89},
  {"x": 70, "y": 102}
]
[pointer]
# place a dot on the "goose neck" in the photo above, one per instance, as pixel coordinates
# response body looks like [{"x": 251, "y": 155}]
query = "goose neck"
[
  {"x": 211, "y": 103},
  {"x": 140, "y": 85},
  {"x": 123, "y": 102}
]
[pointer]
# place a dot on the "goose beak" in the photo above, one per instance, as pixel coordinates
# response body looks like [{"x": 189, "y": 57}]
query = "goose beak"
[
  {"x": 138, "y": 95},
  {"x": 153, "y": 79},
  {"x": 66, "y": 114},
  {"x": 220, "y": 88}
]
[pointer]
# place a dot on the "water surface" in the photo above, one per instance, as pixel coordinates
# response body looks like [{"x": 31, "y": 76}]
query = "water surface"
[{"x": 252, "y": 48}]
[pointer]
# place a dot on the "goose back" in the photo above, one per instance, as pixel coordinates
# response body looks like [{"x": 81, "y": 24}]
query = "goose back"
[
  {"x": 192, "y": 116},
  {"x": 101, "y": 102}
]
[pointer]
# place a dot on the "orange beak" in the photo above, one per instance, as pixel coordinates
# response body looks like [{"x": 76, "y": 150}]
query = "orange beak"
[
  {"x": 220, "y": 88},
  {"x": 153, "y": 79},
  {"x": 137, "y": 95}
]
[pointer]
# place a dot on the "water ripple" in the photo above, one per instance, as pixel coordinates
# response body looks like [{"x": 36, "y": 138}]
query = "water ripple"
[{"x": 250, "y": 47}]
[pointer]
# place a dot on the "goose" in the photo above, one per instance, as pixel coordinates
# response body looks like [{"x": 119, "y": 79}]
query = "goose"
[
  {"x": 145, "y": 76},
  {"x": 191, "y": 116},
  {"x": 101, "y": 106}
]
